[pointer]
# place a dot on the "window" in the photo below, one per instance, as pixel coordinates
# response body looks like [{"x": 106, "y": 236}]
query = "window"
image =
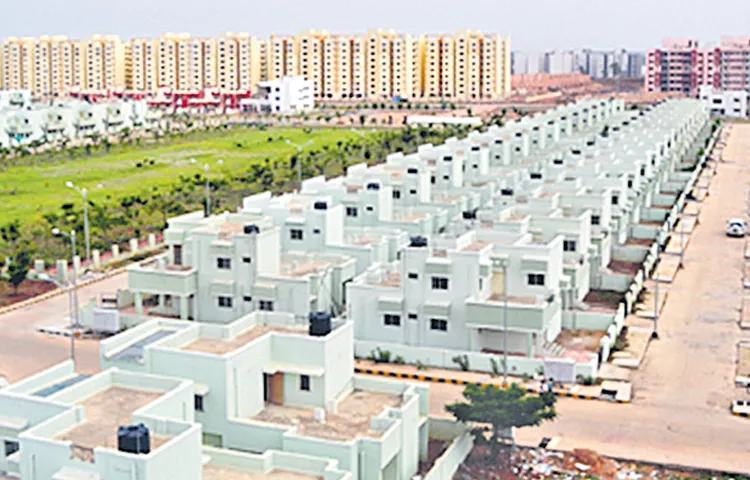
[
  {"x": 198, "y": 403},
  {"x": 413, "y": 276},
  {"x": 397, "y": 194},
  {"x": 11, "y": 447},
  {"x": 295, "y": 234},
  {"x": 225, "y": 302},
  {"x": 536, "y": 279},
  {"x": 265, "y": 305},
  {"x": 224, "y": 263},
  {"x": 351, "y": 211},
  {"x": 304, "y": 383},
  {"x": 412, "y": 316},
  {"x": 392, "y": 320},
  {"x": 569, "y": 245},
  {"x": 413, "y": 192},
  {"x": 316, "y": 231},
  {"x": 247, "y": 260},
  {"x": 439, "y": 283},
  {"x": 595, "y": 219},
  {"x": 630, "y": 184},
  {"x": 439, "y": 324},
  {"x": 615, "y": 199}
]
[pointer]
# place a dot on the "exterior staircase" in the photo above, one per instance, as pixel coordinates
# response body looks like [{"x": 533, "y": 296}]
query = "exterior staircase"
[{"x": 552, "y": 349}]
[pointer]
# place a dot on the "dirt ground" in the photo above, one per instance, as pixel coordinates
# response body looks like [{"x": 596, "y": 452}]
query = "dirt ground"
[{"x": 26, "y": 290}]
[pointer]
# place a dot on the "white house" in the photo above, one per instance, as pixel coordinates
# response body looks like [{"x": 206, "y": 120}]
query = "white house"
[{"x": 285, "y": 95}]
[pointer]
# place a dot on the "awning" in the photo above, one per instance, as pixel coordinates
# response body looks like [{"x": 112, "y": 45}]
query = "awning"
[{"x": 276, "y": 367}]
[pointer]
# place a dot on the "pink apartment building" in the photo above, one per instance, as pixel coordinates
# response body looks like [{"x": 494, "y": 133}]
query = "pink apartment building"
[{"x": 680, "y": 66}]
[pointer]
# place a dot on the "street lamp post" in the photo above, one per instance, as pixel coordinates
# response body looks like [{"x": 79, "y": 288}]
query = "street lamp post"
[
  {"x": 72, "y": 237},
  {"x": 505, "y": 323},
  {"x": 85, "y": 194},
  {"x": 206, "y": 167},
  {"x": 299, "y": 160},
  {"x": 655, "y": 334},
  {"x": 46, "y": 278}
]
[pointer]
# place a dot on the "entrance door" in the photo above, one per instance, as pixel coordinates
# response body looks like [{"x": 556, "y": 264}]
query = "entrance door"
[
  {"x": 177, "y": 254},
  {"x": 498, "y": 282},
  {"x": 273, "y": 388}
]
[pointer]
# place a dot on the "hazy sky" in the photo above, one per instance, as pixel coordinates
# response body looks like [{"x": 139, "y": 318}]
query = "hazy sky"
[{"x": 532, "y": 24}]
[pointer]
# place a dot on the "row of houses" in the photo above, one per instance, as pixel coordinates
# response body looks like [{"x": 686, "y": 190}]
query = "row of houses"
[
  {"x": 525, "y": 240},
  {"x": 522, "y": 235},
  {"x": 23, "y": 122}
]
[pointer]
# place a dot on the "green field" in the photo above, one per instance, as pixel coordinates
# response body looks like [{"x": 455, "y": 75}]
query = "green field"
[{"x": 26, "y": 191}]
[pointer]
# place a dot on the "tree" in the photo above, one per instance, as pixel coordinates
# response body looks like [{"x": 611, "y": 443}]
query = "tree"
[
  {"x": 502, "y": 409},
  {"x": 18, "y": 269}
]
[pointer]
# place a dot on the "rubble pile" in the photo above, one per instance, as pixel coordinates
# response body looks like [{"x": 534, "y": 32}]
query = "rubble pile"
[{"x": 543, "y": 464}]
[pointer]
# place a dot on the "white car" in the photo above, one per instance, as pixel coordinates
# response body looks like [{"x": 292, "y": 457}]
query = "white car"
[{"x": 736, "y": 227}]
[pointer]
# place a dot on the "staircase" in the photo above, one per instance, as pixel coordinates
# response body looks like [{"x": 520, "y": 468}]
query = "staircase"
[{"x": 552, "y": 349}]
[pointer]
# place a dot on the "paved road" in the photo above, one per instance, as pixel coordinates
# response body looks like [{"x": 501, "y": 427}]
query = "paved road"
[
  {"x": 24, "y": 351},
  {"x": 682, "y": 392}
]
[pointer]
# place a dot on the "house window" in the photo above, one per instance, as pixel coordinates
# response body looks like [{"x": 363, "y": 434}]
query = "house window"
[
  {"x": 225, "y": 302},
  {"x": 569, "y": 245},
  {"x": 595, "y": 219},
  {"x": 630, "y": 184},
  {"x": 439, "y": 283},
  {"x": 397, "y": 194},
  {"x": 224, "y": 263},
  {"x": 265, "y": 305},
  {"x": 413, "y": 276},
  {"x": 304, "y": 383},
  {"x": 351, "y": 211},
  {"x": 615, "y": 199},
  {"x": 412, "y": 316},
  {"x": 198, "y": 403},
  {"x": 392, "y": 320},
  {"x": 536, "y": 279},
  {"x": 439, "y": 324},
  {"x": 247, "y": 260},
  {"x": 643, "y": 171},
  {"x": 413, "y": 192},
  {"x": 11, "y": 447},
  {"x": 295, "y": 234},
  {"x": 316, "y": 231}
]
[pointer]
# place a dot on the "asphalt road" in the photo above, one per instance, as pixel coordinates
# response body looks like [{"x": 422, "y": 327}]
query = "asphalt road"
[
  {"x": 24, "y": 351},
  {"x": 683, "y": 390}
]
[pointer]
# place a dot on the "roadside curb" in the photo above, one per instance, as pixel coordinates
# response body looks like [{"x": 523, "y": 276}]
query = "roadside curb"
[
  {"x": 58, "y": 291},
  {"x": 458, "y": 381}
]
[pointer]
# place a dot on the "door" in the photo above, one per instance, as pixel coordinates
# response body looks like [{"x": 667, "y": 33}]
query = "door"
[
  {"x": 273, "y": 388},
  {"x": 498, "y": 282},
  {"x": 177, "y": 254}
]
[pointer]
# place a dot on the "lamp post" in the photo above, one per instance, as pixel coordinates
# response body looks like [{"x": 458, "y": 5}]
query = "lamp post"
[
  {"x": 505, "y": 323},
  {"x": 46, "y": 278},
  {"x": 206, "y": 167},
  {"x": 85, "y": 194},
  {"x": 655, "y": 333},
  {"x": 299, "y": 160}
]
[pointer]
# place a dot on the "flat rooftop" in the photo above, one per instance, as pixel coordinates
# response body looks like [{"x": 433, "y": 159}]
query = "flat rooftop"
[
  {"x": 351, "y": 420},
  {"x": 213, "y": 472},
  {"x": 513, "y": 299},
  {"x": 300, "y": 269},
  {"x": 220, "y": 346},
  {"x": 104, "y": 412}
]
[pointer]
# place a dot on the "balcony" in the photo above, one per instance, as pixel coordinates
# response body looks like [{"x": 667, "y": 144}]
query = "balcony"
[
  {"x": 524, "y": 313},
  {"x": 155, "y": 276}
]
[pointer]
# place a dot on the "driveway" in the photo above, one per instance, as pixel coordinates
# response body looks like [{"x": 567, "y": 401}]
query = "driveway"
[
  {"x": 683, "y": 390},
  {"x": 24, "y": 351}
]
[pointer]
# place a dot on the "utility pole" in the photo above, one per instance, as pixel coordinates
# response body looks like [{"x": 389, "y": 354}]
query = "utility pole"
[
  {"x": 85, "y": 194},
  {"x": 299, "y": 158},
  {"x": 655, "y": 333},
  {"x": 505, "y": 323},
  {"x": 206, "y": 167}
]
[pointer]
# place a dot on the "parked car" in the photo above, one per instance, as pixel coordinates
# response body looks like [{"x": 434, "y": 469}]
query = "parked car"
[{"x": 736, "y": 227}]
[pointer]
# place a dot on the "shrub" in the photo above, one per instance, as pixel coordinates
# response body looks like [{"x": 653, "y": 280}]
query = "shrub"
[
  {"x": 420, "y": 366},
  {"x": 462, "y": 361},
  {"x": 399, "y": 360},
  {"x": 380, "y": 356}
]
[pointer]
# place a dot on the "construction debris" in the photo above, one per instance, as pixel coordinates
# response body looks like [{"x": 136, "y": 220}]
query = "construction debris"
[{"x": 540, "y": 464}]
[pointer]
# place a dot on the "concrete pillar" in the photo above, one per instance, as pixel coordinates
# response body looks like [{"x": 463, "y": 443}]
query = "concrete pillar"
[
  {"x": 39, "y": 266},
  {"x": 96, "y": 258},
  {"x": 115, "y": 251},
  {"x": 133, "y": 245},
  {"x": 151, "y": 240},
  {"x": 161, "y": 300},
  {"x": 529, "y": 345},
  {"x": 138, "y": 303},
  {"x": 77, "y": 265},
  {"x": 61, "y": 272},
  {"x": 184, "y": 307}
]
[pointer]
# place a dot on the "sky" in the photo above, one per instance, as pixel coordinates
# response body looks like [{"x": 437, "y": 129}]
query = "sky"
[{"x": 531, "y": 24}]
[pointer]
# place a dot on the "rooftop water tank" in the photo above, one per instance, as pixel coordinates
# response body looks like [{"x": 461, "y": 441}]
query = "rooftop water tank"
[
  {"x": 373, "y": 186},
  {"x": 418, "y": 242},
  {"x": 320, "y": 324},
  {"x": 134, "y": 439},
  {"x": 250, "y": 229},
  {"x": 320, "y": 205}
]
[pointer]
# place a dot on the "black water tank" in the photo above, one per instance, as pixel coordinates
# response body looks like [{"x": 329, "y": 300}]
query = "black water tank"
[
  {"x": 506, "y": 191},
  {"x": 373, "y": 186},
  {"x": 412, "y": 171},
  {"x": 320, "y": 205},
  {"x": 535, "y": 175},
  {"x": 134, "y": 439},
  {"x": 475, "y": 148},
  {"x": 418, "y": 242},
  {"x": 250, "y": 229},
  {"x": 470, "y": 214},
  {"x": 320, "y": 324}
]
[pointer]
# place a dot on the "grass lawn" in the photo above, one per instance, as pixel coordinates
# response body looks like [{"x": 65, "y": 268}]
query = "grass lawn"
[{"x": 31, "y": 190}]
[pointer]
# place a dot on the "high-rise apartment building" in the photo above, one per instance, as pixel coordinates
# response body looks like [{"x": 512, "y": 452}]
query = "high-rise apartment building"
[{"x": 379, "y": 65}]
